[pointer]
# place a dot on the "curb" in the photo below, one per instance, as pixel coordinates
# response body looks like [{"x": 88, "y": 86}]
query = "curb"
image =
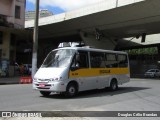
[
  {"x": 10, "y": 80},
  {"x": 5, "y": 83}
]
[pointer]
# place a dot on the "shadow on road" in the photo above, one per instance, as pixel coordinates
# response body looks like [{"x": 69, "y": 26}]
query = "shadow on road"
[{"x": 99, "y": 93}]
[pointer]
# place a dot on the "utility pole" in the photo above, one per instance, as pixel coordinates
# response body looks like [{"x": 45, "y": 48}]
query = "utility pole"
[
  {"x": 116, "y": 3},
  {"x": 35, "y": 40}
]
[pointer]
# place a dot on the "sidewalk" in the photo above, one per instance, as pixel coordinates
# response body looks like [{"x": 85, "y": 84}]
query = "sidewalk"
[{"x": 10, "y": 80}]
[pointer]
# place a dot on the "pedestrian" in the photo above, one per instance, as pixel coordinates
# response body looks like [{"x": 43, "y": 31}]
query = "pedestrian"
[{"x": 22, "y": 69}]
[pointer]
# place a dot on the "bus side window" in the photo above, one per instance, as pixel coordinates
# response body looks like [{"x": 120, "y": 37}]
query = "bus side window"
[
  {"x": 122, "y": 61},
  {"x": 83, "y": 59},
  {"x": 97, "y": 60},
  {"x": 80, "y": 60},
  {"x": 111, "y": 60}
]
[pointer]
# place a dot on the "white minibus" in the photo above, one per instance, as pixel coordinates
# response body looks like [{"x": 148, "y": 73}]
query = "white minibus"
[{"x": 70, "y": 70}]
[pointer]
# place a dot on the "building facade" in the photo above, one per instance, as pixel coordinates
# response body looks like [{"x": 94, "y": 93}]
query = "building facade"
[
  {"x": 29, "y": 15},
  {"x": 12, "y": 18}
]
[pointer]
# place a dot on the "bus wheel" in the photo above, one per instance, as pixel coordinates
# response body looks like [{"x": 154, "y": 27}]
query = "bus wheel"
[
  {"x": 113, "y": 85},
  {"x": 71, "y": 90},
  {"x": 45, "y": 93}
]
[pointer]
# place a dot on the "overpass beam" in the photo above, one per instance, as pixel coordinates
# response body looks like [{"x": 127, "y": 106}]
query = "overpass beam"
[{"x": 102, "y": 43}]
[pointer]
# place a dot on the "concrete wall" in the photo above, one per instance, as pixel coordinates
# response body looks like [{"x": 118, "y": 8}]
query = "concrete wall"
[
  {"x": 126, "y": 2},
  {"x": 6, "y": 46},
  {"x": 19, "y": 23},
  {"x": 7, "y": 7}
]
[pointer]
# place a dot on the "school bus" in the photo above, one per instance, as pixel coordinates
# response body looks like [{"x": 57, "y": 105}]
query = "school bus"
[{"x": 70, "y": 70}]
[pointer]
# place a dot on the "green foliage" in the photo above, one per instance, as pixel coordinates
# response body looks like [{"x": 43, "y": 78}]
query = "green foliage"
[{"x": 143, "y": 51}]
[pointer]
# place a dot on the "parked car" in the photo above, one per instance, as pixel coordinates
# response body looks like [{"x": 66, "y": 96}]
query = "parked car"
[{"x": 152, "y": 73}]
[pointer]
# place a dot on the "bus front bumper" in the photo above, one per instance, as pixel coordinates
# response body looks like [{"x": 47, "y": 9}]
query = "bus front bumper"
[{"x": 52, "y": 87}]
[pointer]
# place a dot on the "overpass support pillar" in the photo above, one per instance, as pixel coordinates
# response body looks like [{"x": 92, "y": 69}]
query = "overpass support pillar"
[
  {"x": 6, "y": 46},
  {"x": 102, "y": 43}
]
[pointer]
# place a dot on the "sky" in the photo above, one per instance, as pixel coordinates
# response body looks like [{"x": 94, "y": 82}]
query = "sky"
[{"x": 60, "y": 6}]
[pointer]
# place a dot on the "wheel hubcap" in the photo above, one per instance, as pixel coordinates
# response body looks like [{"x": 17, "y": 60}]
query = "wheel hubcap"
[
  {"x": 114, "y": 86},
  {"x": 72, "y": 90}
]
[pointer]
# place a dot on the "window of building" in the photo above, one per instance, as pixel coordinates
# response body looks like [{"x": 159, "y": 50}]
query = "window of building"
[
  {"x": 12, "y": 57},
  {"x": 1, "y": 37},
  {"x": 17, "y": 12},
  {"x": 13, "y": 39}
]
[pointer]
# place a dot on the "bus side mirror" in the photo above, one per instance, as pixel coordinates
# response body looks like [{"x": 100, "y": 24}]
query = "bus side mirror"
[
  {"x": 77, "y": 65},
  {"x": 75, "y": 68}
]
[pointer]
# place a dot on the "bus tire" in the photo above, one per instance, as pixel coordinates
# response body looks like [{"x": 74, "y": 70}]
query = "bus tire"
[
  {"x": 113, "y": 85},
  {"x": 71, "y": 90},
  {"x": 45, "y": 93}
]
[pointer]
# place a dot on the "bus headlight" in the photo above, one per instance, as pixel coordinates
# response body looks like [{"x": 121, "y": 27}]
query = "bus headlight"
[
  {"x": 35, "y": 80},
  {"x": 58, "y": 78}
]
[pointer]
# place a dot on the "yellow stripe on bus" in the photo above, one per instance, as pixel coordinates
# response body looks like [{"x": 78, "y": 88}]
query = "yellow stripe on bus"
[{"x": 97, "y": 72}]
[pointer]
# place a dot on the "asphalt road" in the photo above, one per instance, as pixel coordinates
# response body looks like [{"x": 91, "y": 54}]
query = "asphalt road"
[{"x": 137, "y": 95}]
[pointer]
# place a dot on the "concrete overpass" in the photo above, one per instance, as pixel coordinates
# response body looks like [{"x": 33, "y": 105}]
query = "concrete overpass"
[{"x": 113, "y": 19}]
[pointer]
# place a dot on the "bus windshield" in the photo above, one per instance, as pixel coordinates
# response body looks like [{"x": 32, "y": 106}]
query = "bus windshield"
[{"x": 58, "y": 58}]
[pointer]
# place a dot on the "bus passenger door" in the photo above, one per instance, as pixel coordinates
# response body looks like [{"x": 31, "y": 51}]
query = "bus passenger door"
[
  {"x": 81, "y": 73},
  {"x": 98, "y": 67}
]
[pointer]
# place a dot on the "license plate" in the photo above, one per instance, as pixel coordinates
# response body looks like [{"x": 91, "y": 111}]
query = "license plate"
[{"x": 41, "y": 85}]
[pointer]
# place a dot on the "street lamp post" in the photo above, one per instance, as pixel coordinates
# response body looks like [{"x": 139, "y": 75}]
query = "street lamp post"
[{"x": 35, "y": 40}]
